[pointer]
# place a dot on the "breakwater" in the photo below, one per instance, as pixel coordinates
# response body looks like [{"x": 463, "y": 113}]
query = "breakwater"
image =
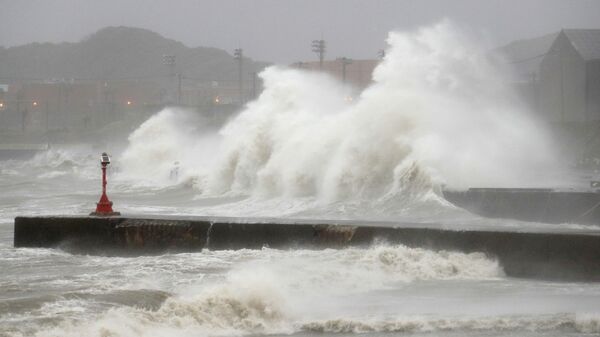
[
  {"x": 545, "y": 255},
  {"x": 530, "y": 204}
]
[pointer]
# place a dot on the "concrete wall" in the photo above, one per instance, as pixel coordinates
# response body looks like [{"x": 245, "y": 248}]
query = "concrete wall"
[
  {"x": 539, "y": 205},
  {"x": 538, "y": 255}
]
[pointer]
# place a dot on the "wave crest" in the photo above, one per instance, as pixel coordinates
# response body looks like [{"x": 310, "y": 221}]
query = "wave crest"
[{"x": 583, "y": 323}]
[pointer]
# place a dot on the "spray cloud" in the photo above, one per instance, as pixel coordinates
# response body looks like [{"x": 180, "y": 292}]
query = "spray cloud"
[{"x": 437, "y": 113}]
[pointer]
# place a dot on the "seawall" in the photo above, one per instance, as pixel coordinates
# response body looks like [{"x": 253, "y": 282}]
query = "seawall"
[
  {"x": 529, "y": 204},
  {"x": 545, "y": 255}
]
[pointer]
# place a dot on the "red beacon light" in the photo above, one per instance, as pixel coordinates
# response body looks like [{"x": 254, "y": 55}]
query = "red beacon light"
[{"x": 104, "y": 206}]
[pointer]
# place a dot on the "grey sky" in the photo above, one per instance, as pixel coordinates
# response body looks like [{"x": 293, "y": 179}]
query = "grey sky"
[{"x": 281, "y": 31}]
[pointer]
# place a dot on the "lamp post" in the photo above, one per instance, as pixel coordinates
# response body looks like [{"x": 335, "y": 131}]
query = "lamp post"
[{"x": 104, "y": 206}]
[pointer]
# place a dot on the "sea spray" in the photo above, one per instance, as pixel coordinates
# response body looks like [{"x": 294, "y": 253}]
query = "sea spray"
[
  {"x": 173, "y": 141},
  {"x": 437, "y": 113}
]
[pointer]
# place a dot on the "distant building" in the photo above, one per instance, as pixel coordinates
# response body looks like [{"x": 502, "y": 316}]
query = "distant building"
[
  {"x": 67, "y": 105},
  {"x": 358, "y": 73},
  {"x": 558, "y": 74},
  {"x": 64, "y": 105},
  {"x": 569, "y": 81}
]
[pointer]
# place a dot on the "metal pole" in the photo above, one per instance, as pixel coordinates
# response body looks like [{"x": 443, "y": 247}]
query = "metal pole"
[
  {"x": 321, "y": 57},
  {"x": 179, "y": 89},
  {"x": 239, "y": 56},
  {"x": 103, "y": 179},
  {"x": 318, "y": 46}
]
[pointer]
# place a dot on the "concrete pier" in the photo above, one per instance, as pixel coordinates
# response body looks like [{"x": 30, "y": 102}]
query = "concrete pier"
[
  {"x": 545, "y": 255},
  {"x": 530, "y": 204}
]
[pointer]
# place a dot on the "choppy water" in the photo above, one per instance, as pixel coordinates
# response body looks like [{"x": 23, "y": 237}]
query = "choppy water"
[{"x": 378, "y": 290}]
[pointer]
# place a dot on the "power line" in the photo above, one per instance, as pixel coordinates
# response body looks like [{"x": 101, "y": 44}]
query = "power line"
[{"x": 551, "y": 51}]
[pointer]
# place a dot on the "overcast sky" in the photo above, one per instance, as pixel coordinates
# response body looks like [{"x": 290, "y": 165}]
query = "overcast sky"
[{"x": 280, "y": 30}]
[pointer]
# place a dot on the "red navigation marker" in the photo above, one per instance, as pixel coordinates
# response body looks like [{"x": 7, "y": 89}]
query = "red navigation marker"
[{"x": 104, "y": 206}]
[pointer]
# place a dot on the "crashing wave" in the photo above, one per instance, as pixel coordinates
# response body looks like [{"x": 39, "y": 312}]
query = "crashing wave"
[{"x": 435, "y": 114}]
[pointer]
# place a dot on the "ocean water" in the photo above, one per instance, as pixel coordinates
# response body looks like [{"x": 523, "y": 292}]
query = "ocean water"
[
  {"x": 379, "y": 290},
  {"x": 437, "y": 114}
]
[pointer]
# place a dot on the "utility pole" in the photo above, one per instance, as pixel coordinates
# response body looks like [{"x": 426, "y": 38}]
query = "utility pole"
[
  {"x": 345, "y": 61},
  {"x": 238, "y": 54},
  {"x": 318, "y": 46}
]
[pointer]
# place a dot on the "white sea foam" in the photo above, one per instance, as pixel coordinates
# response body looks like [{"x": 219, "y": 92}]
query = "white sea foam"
[{"x": 436, "y": 113}]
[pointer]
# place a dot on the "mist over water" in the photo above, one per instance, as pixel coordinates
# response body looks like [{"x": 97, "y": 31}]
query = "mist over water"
[{"x": 436, "y": 114}]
